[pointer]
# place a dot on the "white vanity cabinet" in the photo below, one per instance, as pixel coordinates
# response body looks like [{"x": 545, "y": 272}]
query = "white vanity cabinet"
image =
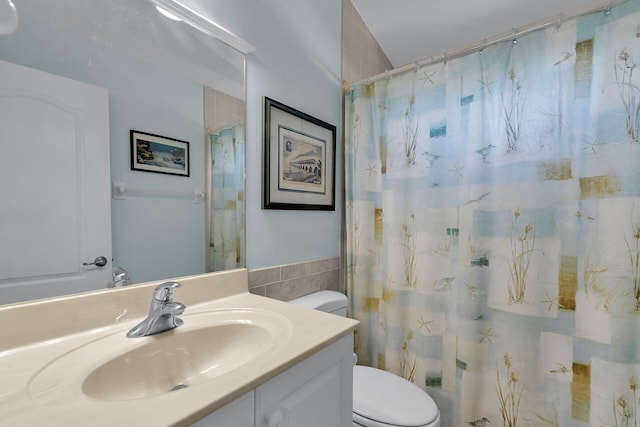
[
  {"x": 316, "y": 392},
  {"x": 238, "y": 413}
]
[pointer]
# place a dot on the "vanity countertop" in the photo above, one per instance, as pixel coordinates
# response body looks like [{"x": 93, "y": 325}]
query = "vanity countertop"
[{"x": 42, "y": 332}]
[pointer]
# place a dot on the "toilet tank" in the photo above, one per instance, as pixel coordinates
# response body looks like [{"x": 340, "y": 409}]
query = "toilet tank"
[{"x": 327, "y": 301}]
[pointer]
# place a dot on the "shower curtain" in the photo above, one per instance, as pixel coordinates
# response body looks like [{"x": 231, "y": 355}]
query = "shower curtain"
[
  {"x": 493, "y": 226},
  {"x": 226, "y": 219}
]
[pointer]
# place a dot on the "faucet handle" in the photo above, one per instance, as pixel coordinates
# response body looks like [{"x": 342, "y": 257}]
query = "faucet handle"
[{"x": 165, "y": 291}]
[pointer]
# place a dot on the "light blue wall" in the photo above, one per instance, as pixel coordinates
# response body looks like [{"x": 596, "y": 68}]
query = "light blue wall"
[
  {"x": 297, "y": 61},
  {"x": 152, "y": 238}
]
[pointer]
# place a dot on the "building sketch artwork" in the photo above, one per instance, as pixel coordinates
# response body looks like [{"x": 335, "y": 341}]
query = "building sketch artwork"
[{"x": 302, "y": 162}]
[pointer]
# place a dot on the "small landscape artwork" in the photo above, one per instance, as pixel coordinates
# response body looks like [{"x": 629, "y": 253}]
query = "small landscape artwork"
[{"x": 154, "y": 153}]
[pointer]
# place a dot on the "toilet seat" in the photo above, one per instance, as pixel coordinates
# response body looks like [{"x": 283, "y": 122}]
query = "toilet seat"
[
  {"x": 359, "y": 421},
  {"x": 382, "y": 399}
]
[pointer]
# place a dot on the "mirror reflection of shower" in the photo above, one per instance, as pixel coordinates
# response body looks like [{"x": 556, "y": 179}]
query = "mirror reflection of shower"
[{"x": 224, "y": 119}]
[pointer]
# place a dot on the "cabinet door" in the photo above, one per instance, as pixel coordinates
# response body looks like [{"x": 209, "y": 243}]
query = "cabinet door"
[
  {"x": 316, "y": 392},
  {"x": 238, "y": 413}
]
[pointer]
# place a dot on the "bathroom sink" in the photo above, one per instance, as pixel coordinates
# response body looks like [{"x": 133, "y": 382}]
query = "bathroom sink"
[
  {"x": 116, "y": 368},
  {"x": 176, "y": 361}
]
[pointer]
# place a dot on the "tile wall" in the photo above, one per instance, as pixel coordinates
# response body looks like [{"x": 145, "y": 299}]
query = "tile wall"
[
  {"x": 362, "y": 57},
  {"x": 221, "y": 110},
  {"x": 285, "y": 282}
]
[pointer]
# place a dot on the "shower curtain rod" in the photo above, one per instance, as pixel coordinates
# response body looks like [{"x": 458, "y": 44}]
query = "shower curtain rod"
[
  {"x": 594, "y": 6},
  {"x": 211, "y": 131}
]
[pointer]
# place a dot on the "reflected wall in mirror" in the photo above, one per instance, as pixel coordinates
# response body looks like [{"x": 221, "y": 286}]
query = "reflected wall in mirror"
[{"x": 153, "y": 71}]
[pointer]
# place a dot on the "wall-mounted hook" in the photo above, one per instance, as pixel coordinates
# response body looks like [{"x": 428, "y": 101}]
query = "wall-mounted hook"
[
  {"x": 118, "y": 190},
  {"x": 198, "y": 196}
]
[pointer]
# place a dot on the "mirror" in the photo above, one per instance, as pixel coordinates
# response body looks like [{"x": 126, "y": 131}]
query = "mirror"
[{"x": 165, "y": 78}]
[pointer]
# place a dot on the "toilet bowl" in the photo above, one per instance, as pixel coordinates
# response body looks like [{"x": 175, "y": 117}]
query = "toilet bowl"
[{"x": 380, "y": 398}]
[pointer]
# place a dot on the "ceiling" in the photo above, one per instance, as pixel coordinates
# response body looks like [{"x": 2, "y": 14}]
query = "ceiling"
[{"x": 411, "y": 30}]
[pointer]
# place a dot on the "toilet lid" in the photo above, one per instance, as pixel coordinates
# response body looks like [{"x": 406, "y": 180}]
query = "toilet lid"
[{"x": 387, "y": 398}]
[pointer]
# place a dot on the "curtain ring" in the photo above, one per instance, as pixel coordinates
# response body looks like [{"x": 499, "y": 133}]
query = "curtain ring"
[
  {"x": 559, "y": 20},
  {"x": 483, "y": 44}
]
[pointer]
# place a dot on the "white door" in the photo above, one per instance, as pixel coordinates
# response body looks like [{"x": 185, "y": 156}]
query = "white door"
[{"x": 55, "y": 212}]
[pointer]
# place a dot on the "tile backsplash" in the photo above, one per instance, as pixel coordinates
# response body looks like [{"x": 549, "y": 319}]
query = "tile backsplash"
[{"x": 289, "y": 281}]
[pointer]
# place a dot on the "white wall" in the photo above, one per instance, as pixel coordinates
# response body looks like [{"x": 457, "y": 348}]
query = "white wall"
[{"x": 297, "y": 62}]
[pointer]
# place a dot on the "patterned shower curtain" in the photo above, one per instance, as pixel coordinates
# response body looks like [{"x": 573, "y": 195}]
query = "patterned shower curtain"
[
  {"x": 493, "y": 226},
  {"x": 226, "y": 222}
]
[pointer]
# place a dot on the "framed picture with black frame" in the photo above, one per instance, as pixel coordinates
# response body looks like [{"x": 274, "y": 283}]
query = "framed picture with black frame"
[
  {"x": 299, "y": 160},
  {"x": 159, "y": 154}
]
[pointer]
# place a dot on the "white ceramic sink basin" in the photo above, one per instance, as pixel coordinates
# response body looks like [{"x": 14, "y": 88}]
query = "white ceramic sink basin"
[{"x": 116, "y": 368}]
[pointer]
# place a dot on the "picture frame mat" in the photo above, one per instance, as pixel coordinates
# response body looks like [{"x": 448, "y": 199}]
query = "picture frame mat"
[{"x": 278, "y": 116}]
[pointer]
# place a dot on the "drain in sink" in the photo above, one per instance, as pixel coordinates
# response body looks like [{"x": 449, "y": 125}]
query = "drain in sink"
[{"x": 178, "y": 387}]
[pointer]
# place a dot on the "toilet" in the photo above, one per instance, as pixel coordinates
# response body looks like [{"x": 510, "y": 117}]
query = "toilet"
[{"x": 380, "y": 398}]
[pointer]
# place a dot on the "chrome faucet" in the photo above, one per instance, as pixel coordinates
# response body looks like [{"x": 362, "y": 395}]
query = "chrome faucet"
[
  {"x": 120, "y": 277},
  {"x": 162, "y": 313}
]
